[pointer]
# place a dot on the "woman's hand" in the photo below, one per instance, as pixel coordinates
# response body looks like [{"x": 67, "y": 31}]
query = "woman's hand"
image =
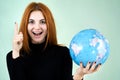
[
  {"x": 81, "y": 71},
  {"x": 17, "y": 42}
]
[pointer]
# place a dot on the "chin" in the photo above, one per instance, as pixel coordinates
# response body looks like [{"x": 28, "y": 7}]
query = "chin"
[{"x": 37, "y": 42}]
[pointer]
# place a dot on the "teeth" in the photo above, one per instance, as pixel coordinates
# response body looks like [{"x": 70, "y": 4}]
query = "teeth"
[{"x": 37, "y": 33}]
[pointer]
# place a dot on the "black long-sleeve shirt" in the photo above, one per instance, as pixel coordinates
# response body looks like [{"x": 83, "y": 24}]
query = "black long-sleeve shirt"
[{"x": 54, "y": 63}]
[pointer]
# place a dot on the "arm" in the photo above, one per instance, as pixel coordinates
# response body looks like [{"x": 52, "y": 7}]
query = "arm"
[
  {"x": 15, "y": 67},
  {"x": 81, "y": 71},
  {"x": 67, "y": 66}
]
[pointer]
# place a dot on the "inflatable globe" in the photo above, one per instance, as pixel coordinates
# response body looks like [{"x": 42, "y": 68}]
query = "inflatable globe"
[{"x": 89, "y": 45}]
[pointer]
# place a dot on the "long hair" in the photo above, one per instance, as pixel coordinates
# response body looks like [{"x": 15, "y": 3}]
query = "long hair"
[{"x": 51, "y": 38}]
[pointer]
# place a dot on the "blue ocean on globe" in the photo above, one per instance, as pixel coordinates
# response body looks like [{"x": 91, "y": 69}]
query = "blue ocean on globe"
[{"x": 89, "y": 45}]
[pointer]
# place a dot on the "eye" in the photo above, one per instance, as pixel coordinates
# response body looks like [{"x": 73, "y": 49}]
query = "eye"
[
  {"x": 31, "y": 21},
  {"x": 42, "y": 21}
]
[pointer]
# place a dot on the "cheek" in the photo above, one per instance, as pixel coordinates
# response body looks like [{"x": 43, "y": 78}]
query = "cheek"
[
  {"x": 45, "y": 28},
  {"x": 29, "y": 28}
]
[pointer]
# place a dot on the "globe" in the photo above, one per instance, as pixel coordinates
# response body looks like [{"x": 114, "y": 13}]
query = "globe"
[{"x": 89, "y": 45}]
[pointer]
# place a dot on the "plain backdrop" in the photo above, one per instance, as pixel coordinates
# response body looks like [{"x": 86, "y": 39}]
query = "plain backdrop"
[{"x": 71, "y": 16}]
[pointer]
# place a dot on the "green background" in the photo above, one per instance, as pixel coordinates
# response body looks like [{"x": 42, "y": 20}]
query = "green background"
[{"x": 71, "y": 16}]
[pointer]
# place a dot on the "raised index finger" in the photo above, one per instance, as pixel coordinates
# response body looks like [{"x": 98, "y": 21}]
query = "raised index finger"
[{"x": 16, "y": 29}]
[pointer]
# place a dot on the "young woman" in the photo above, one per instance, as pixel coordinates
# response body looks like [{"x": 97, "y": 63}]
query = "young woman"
[{"x": 36, "y": 55}]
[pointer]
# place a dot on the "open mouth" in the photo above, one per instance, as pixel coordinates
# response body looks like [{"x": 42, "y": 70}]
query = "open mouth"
[{"x": 37, "y": 33}]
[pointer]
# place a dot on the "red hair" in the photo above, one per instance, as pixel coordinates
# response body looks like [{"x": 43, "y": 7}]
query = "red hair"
[{"x": 51, "y": 38}]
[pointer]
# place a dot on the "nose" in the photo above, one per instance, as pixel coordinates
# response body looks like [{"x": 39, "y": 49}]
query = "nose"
[{"x": 37, "y": 26}]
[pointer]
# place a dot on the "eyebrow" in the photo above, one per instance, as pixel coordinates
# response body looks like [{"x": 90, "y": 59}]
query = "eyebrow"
[
  {"x": 31, "y": 19},
  {"x": 40, "y": 19}
]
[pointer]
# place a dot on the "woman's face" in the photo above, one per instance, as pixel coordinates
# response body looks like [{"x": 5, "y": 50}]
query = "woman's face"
[{"x": 37, "y": 28}]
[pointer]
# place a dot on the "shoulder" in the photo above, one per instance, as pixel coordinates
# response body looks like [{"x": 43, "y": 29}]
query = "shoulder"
[
  {"x": 62, "y": 52},
  {"x": 60, "y": 48}
]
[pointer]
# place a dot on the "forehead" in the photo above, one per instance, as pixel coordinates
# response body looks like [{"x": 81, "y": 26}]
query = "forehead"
[{"x": 36, "y": 15}]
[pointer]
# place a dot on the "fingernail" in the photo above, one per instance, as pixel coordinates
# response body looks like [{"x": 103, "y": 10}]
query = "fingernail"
[{"x": 100, "y": 64}]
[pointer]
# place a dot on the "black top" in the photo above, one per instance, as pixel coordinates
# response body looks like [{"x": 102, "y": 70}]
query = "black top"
[{"x": 54, "y": 63}]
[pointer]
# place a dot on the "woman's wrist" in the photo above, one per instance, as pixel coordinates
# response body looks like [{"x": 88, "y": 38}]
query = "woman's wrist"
[
  {"x": 15, "y": 54},
  {"x": 78, "y": 77}
]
